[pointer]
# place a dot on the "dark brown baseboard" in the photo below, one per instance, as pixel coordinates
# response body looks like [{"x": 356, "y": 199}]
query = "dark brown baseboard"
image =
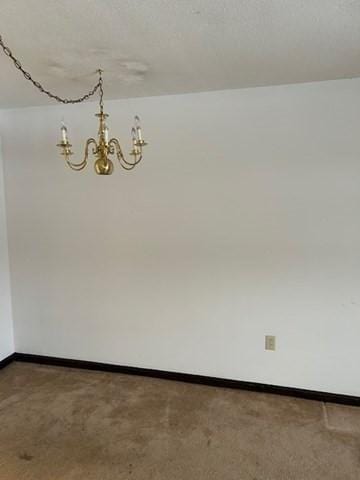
[
  {"x": 185, "y": 377},
  {"x": 6, "y": 361}
]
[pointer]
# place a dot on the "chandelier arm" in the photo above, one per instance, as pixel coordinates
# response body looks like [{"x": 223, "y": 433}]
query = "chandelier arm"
[
  {"x": 115, "y": 142},
  {"x": 90, "y": 141},
  {"x": 125, "y": 167},
  {"x": 134, "y": 163},
  {"x": 77, "y": 167},
  {"x": 81, "y": 165}
]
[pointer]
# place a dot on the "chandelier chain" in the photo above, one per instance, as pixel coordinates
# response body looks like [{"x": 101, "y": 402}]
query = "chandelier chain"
[
  {"x": 38, "y": 85},
  {"x": 100, "y": 83}
]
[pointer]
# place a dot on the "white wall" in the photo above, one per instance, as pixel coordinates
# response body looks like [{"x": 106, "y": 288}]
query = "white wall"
[
  {"x": 6, "y": 326},
  {"x": 242, "y": 221}
]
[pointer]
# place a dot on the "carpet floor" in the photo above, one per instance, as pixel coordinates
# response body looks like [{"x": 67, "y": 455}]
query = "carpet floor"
[{"x": 67, "y": 424}]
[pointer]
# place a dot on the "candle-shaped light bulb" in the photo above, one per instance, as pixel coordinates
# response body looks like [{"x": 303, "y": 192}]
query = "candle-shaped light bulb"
[
  {"x": 64, "y": 137},
  {"x": 138, "y": 128},
  {"x": 106, "y": 135}
]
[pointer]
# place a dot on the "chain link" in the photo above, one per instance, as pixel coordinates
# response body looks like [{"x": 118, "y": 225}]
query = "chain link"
[{"x": 38, "y": 85}]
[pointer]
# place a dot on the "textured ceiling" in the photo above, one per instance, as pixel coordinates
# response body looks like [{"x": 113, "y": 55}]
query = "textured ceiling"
[{"x": 156, "y": 47}]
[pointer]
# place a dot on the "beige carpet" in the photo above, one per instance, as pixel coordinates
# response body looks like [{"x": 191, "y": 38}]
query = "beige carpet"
[{"x": 65, "y": 424}]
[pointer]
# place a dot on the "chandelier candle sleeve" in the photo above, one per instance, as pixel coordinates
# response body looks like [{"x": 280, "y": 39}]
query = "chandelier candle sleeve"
[
  {"x": 138, "y": 128},
  {"x": 106, "y": 135},
  {"x": 134, "y": 138},
  {"x": 64, "y": 138},
  {"x": 136, "y": 148}
]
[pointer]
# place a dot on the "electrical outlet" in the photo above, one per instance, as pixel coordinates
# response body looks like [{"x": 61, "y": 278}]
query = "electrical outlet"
[{"x": 270, "y": 342}]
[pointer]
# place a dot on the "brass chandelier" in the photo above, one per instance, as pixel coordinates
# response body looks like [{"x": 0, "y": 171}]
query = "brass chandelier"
[{"x": 104, "y": 146}]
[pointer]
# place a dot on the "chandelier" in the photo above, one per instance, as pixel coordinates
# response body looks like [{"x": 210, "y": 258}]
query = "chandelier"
[{"x": 104, "y": 146}]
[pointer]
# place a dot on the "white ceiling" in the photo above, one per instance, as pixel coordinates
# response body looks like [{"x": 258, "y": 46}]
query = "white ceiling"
[{"x": 156, "y": 47}]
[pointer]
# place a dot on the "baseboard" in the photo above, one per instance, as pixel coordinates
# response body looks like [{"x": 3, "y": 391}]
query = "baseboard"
[
  {"x": 6, "y": 361},
  {"x": 186, "y": 377}
]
